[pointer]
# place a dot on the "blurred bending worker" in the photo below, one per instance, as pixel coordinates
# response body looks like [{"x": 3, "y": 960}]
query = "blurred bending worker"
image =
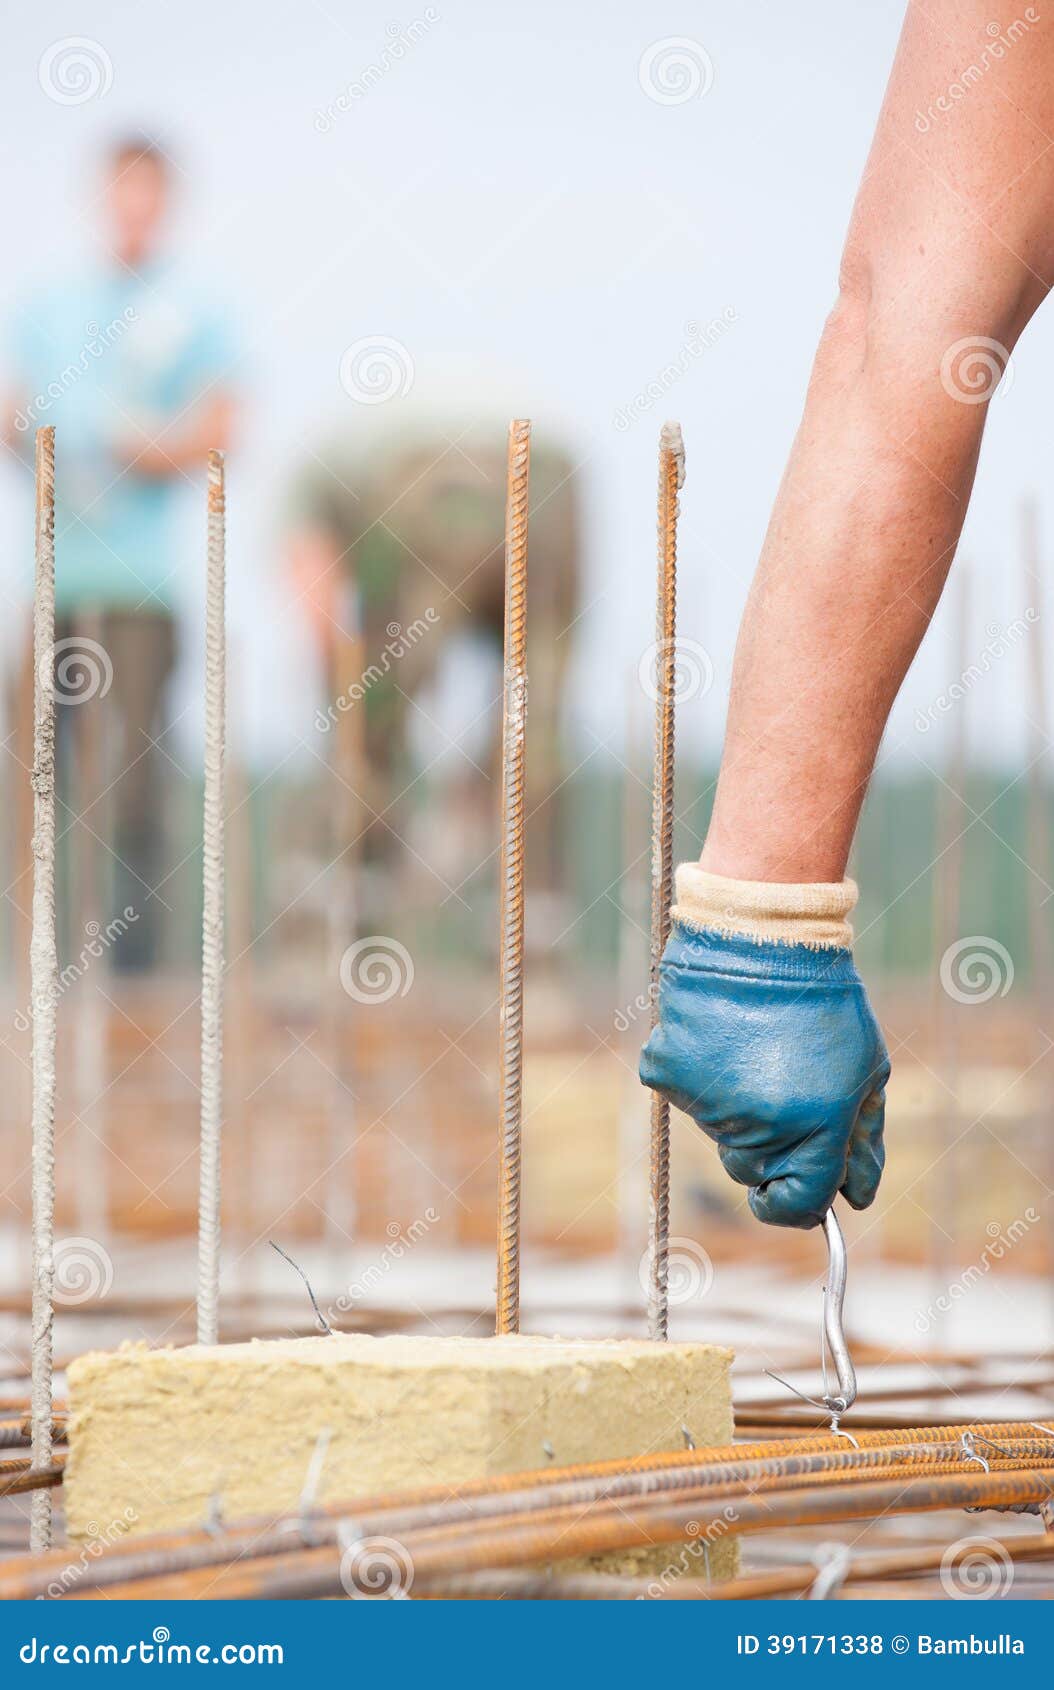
[
  {"x": 397, "y": 555},
  {"x": 133, "y": 368},
  {"x": 765, "y": 1035}
]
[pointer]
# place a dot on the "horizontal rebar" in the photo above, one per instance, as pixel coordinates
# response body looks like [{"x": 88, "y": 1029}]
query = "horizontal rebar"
[
  {"x": 564, "y": 1534},
  {"x": 542, "y": 1585},
  {"x": 14, "y": 1480},
  {"x": 731, "y": 1470}
]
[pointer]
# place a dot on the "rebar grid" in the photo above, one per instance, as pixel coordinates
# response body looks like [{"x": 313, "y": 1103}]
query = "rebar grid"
[
  {"x": 212, "y": 916},
  {"x": 671, "y": 479},
  {"x": 44, "y": 978},
  {"x": 513, "y": 756},
  {"x": 786, "y": 1473},
  {"x": 304, "y": 1558}
]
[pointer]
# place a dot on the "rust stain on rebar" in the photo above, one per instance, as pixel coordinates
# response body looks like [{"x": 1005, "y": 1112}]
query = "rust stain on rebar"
[
  {"x": 513, "y": 743},
  {"x": 217, "y": 494}
]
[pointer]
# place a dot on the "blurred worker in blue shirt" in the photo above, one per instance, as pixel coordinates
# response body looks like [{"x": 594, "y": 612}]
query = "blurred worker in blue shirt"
[{"x": 135, "y": 370}]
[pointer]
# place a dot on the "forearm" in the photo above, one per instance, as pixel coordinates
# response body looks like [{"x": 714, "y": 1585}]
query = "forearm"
[
  {"x": 183, "y": 447},
  {"x": 950, "y": 241},
  {"x": 857, "y": 552}
]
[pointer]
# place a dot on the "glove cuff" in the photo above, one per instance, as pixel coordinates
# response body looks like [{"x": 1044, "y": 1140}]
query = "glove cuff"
[{"x": 813, "y": 914}]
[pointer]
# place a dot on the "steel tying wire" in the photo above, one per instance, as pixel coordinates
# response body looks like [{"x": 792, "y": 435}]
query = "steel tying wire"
[
  {"x": 1044, "y": 1509},
  {"x": 833, "y": 1562}
]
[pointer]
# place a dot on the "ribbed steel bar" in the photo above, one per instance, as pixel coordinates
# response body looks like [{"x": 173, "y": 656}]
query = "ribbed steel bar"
[
  {"x": 563, "y": 1534},
  {"x": 44, "y": 978},
  {"x": 864, "y": 1569},
  {"x": 15, "y": 1479},
  {"x": 513, "y": 758},
  {"x": 547, "y": 1585},
  {"x": 671, "y": 478},
  {"x": 730, "y": 1472},
  {"x": 209, "y": 1219},
  {"x": 18, "y": 1434}
]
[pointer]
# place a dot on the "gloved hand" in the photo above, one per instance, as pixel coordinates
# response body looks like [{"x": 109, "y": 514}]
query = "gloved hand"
[{"x": 766, "y": 1039}]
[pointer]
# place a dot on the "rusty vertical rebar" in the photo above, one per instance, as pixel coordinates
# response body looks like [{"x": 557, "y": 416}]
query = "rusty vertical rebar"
[
  {"x": 212, "y": 917},
  {"x": 44, "y": 976},
  {"x": 671, "y": 479},
  {"x": 513, "y": 745}
]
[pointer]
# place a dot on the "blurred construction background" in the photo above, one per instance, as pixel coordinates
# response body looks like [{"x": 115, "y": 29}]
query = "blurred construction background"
[{"x": 391, "y": 290}]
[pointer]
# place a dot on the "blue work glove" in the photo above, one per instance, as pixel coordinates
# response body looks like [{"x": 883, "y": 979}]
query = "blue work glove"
[{"x": 767, "y": 1040}]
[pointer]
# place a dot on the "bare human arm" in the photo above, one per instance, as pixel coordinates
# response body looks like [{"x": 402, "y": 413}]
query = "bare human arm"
[
  {"x": 182, "y": 447},
  {"x": 185, "y": 444},
  {"x": 764, "y": 1034},
  {"x": 951, "y": 241}
]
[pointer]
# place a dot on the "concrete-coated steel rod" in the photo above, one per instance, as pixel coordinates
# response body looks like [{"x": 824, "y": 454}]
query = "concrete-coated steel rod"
[
  {"x": 212, "y": 919},
  {"x": 44, "y": 980}
]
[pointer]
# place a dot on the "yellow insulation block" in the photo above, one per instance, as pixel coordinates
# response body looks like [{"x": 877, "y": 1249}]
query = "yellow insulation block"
[{"x": 160, "y": 1438}]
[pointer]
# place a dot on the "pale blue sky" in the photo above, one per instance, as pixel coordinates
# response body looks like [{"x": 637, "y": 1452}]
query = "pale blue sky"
[{"x": 509, "y": 204}]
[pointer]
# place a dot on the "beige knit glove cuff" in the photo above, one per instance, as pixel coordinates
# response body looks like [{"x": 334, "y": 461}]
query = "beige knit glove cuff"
[{"x": 813, "y": 914}]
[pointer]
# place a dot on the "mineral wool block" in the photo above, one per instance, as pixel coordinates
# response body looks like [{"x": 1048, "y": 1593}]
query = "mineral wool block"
[{"x": 157, "y": 1437}]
